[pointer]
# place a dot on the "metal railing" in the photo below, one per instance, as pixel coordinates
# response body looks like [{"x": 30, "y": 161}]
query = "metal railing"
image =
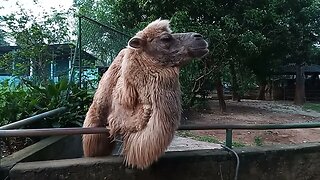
[
  {"x": 101, "y": 40},
  {"x": 228, "y": 140},
  {"x": 33, "y": 119},
  {"x": 104, "y": 42}
]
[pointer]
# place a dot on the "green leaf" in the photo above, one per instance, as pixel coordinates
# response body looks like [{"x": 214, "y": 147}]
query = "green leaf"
[
  {"x": 63, "y": 85},
  {"x": 52, "y": 90}
]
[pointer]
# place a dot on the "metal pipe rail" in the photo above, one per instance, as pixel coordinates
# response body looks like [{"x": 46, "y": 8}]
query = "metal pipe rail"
[
  {"x": 228, "y": 128},
  {"x": 251, "y": 126},
  {"x": 50, "y": 132},
  {"x": 33, "y": 119}
]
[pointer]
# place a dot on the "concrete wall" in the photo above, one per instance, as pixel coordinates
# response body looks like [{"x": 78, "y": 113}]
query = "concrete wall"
[
  {"x": 56, "y": 147},
  {"x": 298, "y": 162}
]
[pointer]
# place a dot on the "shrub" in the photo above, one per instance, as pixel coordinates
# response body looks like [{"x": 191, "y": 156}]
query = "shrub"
[{"x": 25, "y": 99}]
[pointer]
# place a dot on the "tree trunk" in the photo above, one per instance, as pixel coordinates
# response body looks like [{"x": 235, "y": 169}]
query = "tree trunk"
[
  {"x": 299, "y": 95},
  {"x": 235, "y": 86},
  {"x": 191, "y": 100},
  {"x": 222, "y": 103},
  {"x": 262, "y": 90}
]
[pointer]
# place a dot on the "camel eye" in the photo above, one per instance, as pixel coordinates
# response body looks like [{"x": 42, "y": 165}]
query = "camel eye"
[{"x": 166, "y": 38}]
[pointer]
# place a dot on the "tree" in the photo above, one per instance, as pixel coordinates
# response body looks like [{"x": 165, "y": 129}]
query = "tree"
[
  {"x": 300, "y": 20},
  {"x": 2, "y": 34},
  {"x": 245, "y": 37},
  {"x": 262, "y": 50},
  {"x": 33, "y": 35},
  {"x": 134, "y": 14},
  {"x": 2, "y": 38}
]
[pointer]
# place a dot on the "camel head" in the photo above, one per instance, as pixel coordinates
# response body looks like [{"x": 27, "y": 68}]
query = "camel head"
[{"x": 161, "y": 47}]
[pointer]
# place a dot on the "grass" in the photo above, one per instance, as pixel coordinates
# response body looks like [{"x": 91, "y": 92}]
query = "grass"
[
  {"x": 189, "y": 134},
  {"x": 204, "y": 138},
  {"x": 258, "y": 140},
  {"x": 312, "y": 106},
  {"x": 238, "y": 144}
]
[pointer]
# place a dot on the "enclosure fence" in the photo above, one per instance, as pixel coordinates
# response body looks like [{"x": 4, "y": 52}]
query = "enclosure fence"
[
  {"x": 6, "y": 131},
  {"x": 97, "y": 45}
]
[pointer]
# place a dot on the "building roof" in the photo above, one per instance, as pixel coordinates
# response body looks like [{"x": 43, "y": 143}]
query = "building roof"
[
  {"x": 6, "y": 49},
  {"x": 291, "y": 69},
  {"x": 61, "y": 50}
]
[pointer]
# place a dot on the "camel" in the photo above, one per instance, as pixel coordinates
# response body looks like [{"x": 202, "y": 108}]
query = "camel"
[{"x": 139, "y": 96}]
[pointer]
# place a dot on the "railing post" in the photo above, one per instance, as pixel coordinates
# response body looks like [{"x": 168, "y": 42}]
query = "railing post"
[
  {"x": 229, "y": 138},
  {"x": 80, "y": 51}
]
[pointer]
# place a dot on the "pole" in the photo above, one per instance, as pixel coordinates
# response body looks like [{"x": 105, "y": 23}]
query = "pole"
[
  {"x": 33, "y": 119},
  {"x": 80, "y": 51},
  {"x": 229, "y": 138},
  {"x": 50, "y": 132},
  {"x": 229, "y": 128}
]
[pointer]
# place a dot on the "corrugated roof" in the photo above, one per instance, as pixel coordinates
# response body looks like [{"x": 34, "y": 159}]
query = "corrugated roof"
[
  {"x": 291, "y": 69},
  {"x": 59, "y": 49}
]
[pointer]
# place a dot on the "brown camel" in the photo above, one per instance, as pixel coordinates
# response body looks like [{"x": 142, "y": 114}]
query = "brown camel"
[{"x": 139, "y": 95}]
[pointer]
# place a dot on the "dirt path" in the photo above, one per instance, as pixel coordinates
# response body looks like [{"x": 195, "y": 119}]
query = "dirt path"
[{"x": 258, "y": 112}]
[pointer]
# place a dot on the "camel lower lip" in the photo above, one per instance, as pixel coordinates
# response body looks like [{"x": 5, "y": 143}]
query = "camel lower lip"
[
  {"x": 200, "y": 49},
  {"x": 199, "y": 52}
]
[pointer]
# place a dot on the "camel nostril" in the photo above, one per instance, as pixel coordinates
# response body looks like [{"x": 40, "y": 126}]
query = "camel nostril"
[{"x": 197, "y": 36}]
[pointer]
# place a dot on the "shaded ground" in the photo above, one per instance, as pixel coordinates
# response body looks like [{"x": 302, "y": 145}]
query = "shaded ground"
[
  {"x": 13, "y": 144},
  {"x": 257, "y": 112}
]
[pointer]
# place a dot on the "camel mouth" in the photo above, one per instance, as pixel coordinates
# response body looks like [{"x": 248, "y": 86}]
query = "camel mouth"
[
  {"x": 199, "y": 48},
  {"x": 199, "y": 51}
]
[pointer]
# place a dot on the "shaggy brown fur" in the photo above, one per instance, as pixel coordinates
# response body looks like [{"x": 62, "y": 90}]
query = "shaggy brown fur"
[{"x": 139, "y": 96}]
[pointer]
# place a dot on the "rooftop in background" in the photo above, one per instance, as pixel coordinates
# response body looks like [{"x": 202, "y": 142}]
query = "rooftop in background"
[
  {"x": 291, "y": 69},
  {"x": 62, "y": 50}
]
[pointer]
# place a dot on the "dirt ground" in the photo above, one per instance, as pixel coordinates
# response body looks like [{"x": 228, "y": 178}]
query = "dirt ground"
[
  {"x": 244, "y": 112},
  {"x": 257, "y": 112}
]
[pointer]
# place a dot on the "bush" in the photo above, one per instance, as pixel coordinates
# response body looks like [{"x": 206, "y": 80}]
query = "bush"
[{"x": 25, "y": 99}]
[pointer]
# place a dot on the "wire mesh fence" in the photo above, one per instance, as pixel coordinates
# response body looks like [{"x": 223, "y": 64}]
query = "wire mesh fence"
[
  {"x": 45, "y": 77},
  {"x": 41, "y": 77},
  {"x": 98, "y": 44}
]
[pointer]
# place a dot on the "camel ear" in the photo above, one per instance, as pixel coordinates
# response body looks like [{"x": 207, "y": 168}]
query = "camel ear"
[{"x": 135, "y": 43}]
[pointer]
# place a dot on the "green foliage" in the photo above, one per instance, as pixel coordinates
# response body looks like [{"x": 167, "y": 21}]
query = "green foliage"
[
  {"x": 312, "y": 106},
  {"x": 258, "y": 140},
  {"x": 315, "y": 54},
  {"x": 26, "y": 99},
  {"x": 256, "y": 37},
  {"x": 101, "y": 40},
  {"x": 195, "y": 79},
  {"x": 2, "y": 33},
  {"x": 189, "y": 134},
  {"x": 2, "y": 38},
  {"x": 12, "y": 106},
  {"x": 33, "y": 35},
  {"x": 238, "y": 144},
  {"x": 210, "y": 139},
  {"x": 300, "y": 25}
]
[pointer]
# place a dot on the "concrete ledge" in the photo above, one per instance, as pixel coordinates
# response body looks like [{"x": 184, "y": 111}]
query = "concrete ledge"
[
  {"x": 262, "y": 163},
  {"x": 188, "y": 144},
  {"x": 56, "y": 147}
]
